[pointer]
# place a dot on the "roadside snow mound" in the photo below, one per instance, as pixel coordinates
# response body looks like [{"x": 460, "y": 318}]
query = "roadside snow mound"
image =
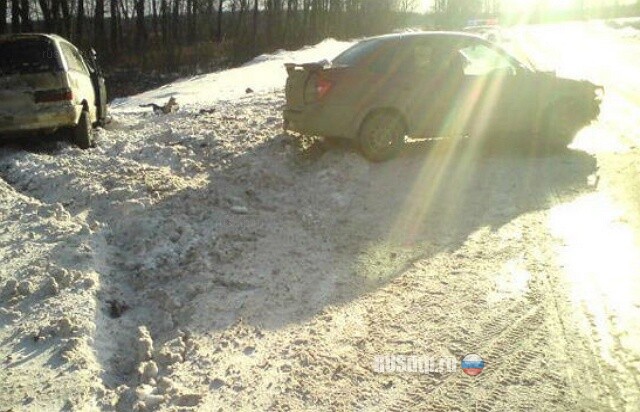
[{"x": 263, "y": 74}]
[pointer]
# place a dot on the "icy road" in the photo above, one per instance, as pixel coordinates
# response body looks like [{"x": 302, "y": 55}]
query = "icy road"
[{"x": 205, "y": 261}]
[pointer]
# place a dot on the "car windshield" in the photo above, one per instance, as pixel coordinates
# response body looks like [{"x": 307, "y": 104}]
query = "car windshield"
[
  {"x": 516, "y": 56},
  {"x": 482, "y": 59},
  {"x": 523, "y": 58},
  {"x": 27, "y": 56}
]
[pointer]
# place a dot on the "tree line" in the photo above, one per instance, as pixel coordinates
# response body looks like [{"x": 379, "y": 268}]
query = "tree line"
[
  {"x": 136, "y": 28},
  {"x": 169, "y": 33}
]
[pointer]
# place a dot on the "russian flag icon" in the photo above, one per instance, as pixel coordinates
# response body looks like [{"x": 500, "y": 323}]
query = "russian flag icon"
[{"x": 472, "y": 364}]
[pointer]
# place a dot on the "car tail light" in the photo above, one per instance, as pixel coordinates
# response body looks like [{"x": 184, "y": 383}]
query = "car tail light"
[
  {"x": 48, "y": 96},
  {"x": 322, "y": 87}
]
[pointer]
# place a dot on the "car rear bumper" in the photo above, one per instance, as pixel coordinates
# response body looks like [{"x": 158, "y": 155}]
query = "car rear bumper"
[
  {"x": 299, "y": 121},
  {"x": 45, "y": 117},
  {"x": 316, "y": 120}
]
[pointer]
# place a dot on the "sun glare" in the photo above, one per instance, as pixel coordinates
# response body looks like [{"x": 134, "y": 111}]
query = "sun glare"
[
  {"x": 520, "y": 5},
  {"x": 525, "y": 5}
]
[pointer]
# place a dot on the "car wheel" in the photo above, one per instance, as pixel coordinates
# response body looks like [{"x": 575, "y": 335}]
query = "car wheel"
[
  {"x": 561, "y": 125},
  {"x": 82, "y": 133},
  {"x": 382, "y": 136}
]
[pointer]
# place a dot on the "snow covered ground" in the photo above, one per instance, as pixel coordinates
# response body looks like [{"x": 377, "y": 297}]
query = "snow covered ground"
[{"x": 204, "y": 260}]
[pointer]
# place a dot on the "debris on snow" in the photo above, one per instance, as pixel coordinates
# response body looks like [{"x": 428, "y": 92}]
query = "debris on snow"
[
  {"x": 169, "y": 107},
  {"x": 239, "y": 210},
  {"x": 117, "y": 308}
]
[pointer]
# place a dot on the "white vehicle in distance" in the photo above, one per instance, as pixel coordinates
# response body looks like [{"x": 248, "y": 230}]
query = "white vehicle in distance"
[
  {"x": 47, "y": 85},
  {"x": 491, "y": 33}
]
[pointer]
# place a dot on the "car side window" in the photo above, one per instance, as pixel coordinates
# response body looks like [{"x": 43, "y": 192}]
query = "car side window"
[
  {"x": 74, "y": 59},
  {"x": 416, "y": 58},
  {"x": 483, "y": 60},
  {"x": 388, "y": 60},
  {"x": 424, "y": 56}
]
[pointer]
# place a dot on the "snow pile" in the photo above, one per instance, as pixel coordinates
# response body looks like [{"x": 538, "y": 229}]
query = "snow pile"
[
  {"x": 167, "y": 215},
  {"x": 628, "y": 28},
  {"x": 265, "y": 73}
]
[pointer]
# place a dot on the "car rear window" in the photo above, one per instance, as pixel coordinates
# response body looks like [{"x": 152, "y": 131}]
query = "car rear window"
[
  {"x": 28, "y": 56},
  {"x": 355, "y": 54}
]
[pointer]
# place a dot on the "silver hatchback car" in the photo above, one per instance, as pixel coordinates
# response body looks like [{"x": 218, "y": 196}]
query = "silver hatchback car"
[{"x": 46, "y": 85}]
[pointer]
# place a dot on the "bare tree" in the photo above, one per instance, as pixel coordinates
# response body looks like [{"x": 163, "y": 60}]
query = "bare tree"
[
  {"x": 65, "y": 28},
  {"x": 238, "y": 11},
  {"x": 25, "y": 16},
  {"x": 98, "y": 30},
  {"x": 113, "y": 20},
  {"x": 407, "y": 6},
  {"x": 219, "y": 21},
  {"x": 80, "y": 21},
  {"x": 189, "y": 21},
  {"x": 3, "y": 13},
  {"x": 15, "y": 16},
  {"x": 164, "y": 13},
  {"x": 141, "y": 31},
  {"x": 154, "y": 11},
  {"x": 256, "y": 12},
  {"x": 175, "y": 21}
]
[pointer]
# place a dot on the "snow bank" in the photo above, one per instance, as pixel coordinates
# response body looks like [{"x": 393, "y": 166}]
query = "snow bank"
[{"x": 262, "y": 74}]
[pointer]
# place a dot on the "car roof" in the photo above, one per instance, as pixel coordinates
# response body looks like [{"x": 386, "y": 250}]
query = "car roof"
[
  {"x": 483, "y": 27},
  {"x": 440, "y": 35},
  {"x": 27, "y": 36}
]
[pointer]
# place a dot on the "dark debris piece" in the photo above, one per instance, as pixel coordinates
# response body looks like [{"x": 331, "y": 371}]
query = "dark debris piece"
[{"x": 117, "y": 308}]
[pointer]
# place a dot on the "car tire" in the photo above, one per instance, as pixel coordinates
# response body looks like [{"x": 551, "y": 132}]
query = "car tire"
[
  {"x": 382, "y": 135},
  {"x": 560, "y": 125},
  {"x": 83, "y": 133}
]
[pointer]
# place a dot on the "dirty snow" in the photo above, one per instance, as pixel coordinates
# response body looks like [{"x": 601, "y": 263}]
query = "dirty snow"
[{"x": 202, "y": 260}]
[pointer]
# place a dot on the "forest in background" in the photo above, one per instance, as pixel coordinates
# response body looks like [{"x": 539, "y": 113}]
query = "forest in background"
[
  {"x": 169, "y": 34},
  {"x": 143, "y": 42}
]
